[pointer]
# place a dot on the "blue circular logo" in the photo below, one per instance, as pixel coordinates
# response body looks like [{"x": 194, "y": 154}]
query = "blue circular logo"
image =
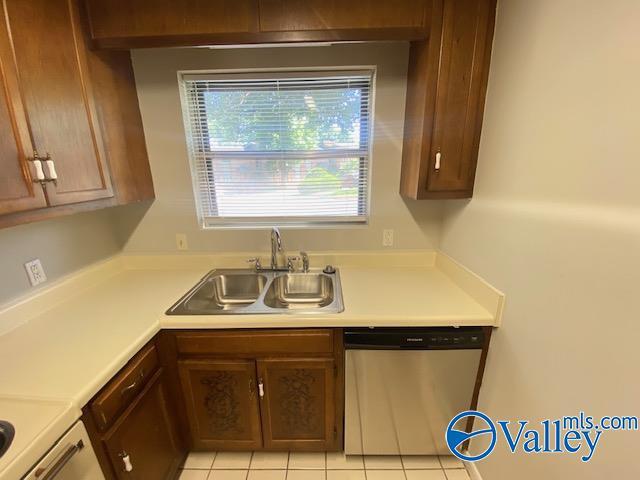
[{"x": 456, "y": 438}]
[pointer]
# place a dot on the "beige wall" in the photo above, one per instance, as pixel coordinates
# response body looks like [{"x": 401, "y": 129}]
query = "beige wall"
[
  {"x": 416, "y": 224},
  {"x": 555, "y": 223},
  {"x": 63, "y": 245}
]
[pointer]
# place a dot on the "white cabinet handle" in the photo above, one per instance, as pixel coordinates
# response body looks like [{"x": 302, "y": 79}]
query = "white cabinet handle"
[
  {"x": 53, "y": 175},
  {"x": 37, "y": 164},
  {"x": 438, "y": 157},
  {"x": 126, "y": 460},
  {"x": 260, "y": 388}
]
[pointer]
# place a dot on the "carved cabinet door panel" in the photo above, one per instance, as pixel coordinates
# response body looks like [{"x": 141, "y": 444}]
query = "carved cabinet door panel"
[
  {"x": 221, "y": 403},
  {"x": 298, "y": 403}
]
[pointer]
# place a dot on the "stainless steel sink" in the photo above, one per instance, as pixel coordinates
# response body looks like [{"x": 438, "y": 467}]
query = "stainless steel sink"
[
  {"x": 6, "y": 436},
  {"x": 299, "y": 291},
  {"x": 244, "y": 291},
  {"x": 222, "y": 291}
]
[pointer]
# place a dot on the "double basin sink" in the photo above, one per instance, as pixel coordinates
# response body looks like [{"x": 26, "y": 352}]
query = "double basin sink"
[{"x": 244, "y": 291}]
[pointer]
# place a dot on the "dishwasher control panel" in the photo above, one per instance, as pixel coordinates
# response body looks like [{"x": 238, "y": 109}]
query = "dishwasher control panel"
[{"x": 411, "y": 338}]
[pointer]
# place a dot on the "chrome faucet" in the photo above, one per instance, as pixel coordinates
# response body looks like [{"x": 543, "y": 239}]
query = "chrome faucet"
[
  {"x": 276, "y": 251},
  {"x": 276, "y": 247}
]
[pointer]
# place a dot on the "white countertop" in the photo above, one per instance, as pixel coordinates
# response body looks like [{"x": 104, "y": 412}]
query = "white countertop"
[
  {"x": 38, "y": 424},
  {"x": 67, "y": 341}
]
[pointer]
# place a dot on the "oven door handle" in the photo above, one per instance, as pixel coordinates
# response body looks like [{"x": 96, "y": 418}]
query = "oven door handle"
[{"x": 50, "y": 472}]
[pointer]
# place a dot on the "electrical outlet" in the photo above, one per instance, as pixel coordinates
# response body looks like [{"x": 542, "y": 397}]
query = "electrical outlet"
[
  {"x": 387, "y": 238},
  {"x": 181, "y": 241},
  {"x": 35, "y": 272}
]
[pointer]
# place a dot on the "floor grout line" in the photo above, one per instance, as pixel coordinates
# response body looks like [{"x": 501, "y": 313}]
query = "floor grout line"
[
  {"x": 286, "y": 472},
  {"x": 326, "y": 464},
  {"x": 404, "y": 472},
  {"x": 288, "y": 458},
  {"x": 250, "y": 462}
]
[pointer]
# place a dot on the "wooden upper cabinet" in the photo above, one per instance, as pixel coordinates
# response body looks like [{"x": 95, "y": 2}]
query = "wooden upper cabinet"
[
  {"x": 155, "y": 23},
  {"x": 121, "y": 124},
  {"x": 221, "y": 402},
  {"x": 56, "y": 92},
  {"x": 148, "y": 435},
  {"x": 131, "y": 23},
  {"x": 78, "y": 105},
  {"x": 17, "y": 190},
  {"x": 445, "y": 100},
  {"x": 347, "y": 19},
  {"x": 299, "y": 403}
]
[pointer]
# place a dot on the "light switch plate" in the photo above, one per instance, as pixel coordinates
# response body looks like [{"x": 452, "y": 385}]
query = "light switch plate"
[
  {"x": 35, "y": 272},
  {"x": 181, "y": 241}
]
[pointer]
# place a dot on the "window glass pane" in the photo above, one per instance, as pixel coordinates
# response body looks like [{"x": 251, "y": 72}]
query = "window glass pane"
[
  {"x": 274, "y": 120},
  {"x": 251, "y": 187}
]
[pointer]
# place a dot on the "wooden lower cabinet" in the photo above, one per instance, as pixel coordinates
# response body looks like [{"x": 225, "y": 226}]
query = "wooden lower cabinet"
[
  {"x": 133, "y": 420},
  {"x": 298, "y": 407},
  {"x": 236, "y": 390},
  {"x": 278, "y": 389},
  {"x": 288, "y": 405},
  {"x": 221, "y": 403},
  {"x": 147, "y": 434}
]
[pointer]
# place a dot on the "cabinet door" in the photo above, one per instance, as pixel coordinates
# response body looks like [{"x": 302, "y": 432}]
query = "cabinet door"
[
  {"x": 221, "y": 403},
  {"x": 318, "y": 15},
  {"x": 137, "y": 23},
  {"x": 147, "y": 434},
  {"x": 50, "y": 60},
  {"x": 446, "y": 88},
  {"x": 17, "y": 190},
  {"x": 298, "y": 405},
  {"x": 465, "y": 43}
]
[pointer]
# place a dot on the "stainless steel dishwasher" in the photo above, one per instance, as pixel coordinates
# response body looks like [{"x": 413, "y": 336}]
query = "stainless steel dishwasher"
[{"x": 404, "y": 385}]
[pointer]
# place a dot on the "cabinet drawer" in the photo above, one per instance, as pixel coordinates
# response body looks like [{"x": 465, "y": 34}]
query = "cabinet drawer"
[
  {"x": 124, "y": 387},
  {"x": 256, "y": 342}
]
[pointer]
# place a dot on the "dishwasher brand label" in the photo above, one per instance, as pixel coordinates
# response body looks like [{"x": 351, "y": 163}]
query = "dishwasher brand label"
[{"x": 578, "y": 435}]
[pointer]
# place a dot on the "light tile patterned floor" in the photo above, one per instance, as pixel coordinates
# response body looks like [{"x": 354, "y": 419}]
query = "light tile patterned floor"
[{"x": 318, "y": 466}]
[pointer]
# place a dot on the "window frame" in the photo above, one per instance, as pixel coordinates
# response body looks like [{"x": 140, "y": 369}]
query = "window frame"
[{"x": 263, "y": 222}]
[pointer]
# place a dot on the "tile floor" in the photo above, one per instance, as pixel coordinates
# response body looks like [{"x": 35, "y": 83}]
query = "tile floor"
[{"x": 318, "y": 466}]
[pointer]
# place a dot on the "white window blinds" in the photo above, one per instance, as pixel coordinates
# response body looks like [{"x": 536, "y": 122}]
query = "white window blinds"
[{"x": 279, "y": 147}]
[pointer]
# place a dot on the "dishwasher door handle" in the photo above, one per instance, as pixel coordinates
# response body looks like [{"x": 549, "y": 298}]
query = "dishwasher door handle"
[{"x": 50, "y": 472}]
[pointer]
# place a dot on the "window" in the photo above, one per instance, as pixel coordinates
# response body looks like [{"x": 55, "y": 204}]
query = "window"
[{"x": 279, "y": 148}]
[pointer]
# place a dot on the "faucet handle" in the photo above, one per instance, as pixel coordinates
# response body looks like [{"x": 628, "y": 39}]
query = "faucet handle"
[
  {"x": 305, "y": 262},
  {"x": 290, "y": 260},
  {"x": 256, "y": 261}
]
